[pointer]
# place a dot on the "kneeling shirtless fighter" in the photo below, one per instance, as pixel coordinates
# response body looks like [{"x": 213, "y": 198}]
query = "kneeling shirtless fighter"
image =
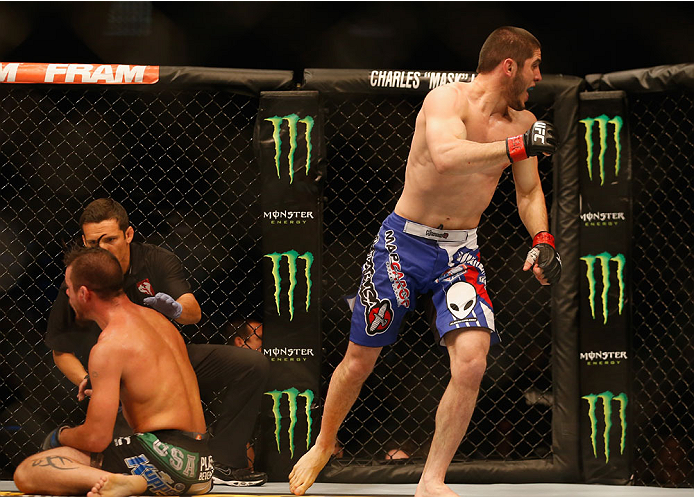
[
  {"x": 139, "y": 361},
  {"x": 465, "y": 135}
]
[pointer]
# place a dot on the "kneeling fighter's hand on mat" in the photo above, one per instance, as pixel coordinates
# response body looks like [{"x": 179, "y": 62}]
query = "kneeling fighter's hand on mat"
[
  {"x": 544, "y": 259},
  {"x": 541, "y": 138},
  {"x": 53, "y": 439},
  {"x": 165, "y": 304}
]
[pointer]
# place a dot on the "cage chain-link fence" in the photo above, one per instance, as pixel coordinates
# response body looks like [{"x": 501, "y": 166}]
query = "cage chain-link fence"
[
  {"x": 662, "y": 140},
  {"x": 182, "y": 165}
]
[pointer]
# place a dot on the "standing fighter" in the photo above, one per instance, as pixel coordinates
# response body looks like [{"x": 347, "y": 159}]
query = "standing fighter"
[
  {"x": 460, "y": 148},
  {"x": 140, "y": 360},
  {"x": 153, "y": 276}
]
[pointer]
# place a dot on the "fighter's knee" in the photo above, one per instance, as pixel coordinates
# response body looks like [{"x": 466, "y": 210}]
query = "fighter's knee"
[
  {"x": 359, "y": 362},
  {"x": 22, "y": 479},
  {"x": 357, "y": 369},
  {"x": 470, "y": 369}
]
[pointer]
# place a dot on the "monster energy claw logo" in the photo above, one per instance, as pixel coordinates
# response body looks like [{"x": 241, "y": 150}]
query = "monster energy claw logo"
[
  {"x": 605, "y": 258},
  {"x": 607, "y": 398},
  {"x": 292, "y": 256},
  {"x": 292, "y": 123},
  {"x": 602, "y": 121},
  {"x": 292, "y": 397}
]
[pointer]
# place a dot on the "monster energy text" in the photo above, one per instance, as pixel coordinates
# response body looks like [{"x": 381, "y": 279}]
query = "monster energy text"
[
  {"x": 285, "y": 354},
  {"x": 292, "y": 395},
  {"x": 288, "y": 217},
  {"x": 291, "y": 256},
  {"x": 603, "y": 358},
  {"x": 605, "y": 258},
  {"x": 602, "y": 218},
  {"x": 602, "y": 121},
  {"x": 607, "y": 397},
  {"x": 292, "y": 124}
]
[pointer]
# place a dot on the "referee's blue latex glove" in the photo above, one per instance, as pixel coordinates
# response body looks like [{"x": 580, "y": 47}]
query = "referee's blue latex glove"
[{"x": 165, "y": 304}]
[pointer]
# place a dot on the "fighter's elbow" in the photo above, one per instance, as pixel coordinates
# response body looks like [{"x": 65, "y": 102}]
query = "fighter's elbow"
[
  {"x": 197, "y": 315},
  {"x": 97, "y": 442},
  {"x": 191, "y": 316},
  {"x": 444, "y": 163}
]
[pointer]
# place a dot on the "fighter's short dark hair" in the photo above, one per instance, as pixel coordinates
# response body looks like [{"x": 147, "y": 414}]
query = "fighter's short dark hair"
[
  {"x": 97, "y": 269},
  {"x": 506, "y": 42},
  {"x": 103, "y": 209}
]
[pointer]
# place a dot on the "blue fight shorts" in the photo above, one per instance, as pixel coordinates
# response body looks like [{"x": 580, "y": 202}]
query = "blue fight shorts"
[{"x": 408, "y": 259}]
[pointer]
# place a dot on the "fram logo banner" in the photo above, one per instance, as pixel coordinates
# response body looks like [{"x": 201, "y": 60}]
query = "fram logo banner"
[
  {"x": 606, "y": 398},
  {"x": 604, "y": 124},
  {"x": 292, "y": 256},
  {"x": 105, "y": 74},
  {"x": 293, "y": 122},
  {"x": 293, "y": 395},
  {"x": 604, "y": 259}
]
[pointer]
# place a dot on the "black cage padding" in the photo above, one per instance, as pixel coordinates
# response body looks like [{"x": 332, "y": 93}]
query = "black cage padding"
[{"x": 649, "y": 80}]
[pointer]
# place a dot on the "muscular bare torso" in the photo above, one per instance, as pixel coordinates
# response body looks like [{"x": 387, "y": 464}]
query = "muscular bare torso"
[
  {"x": 158, "y": 388},
  {"x": 456, "y": 201}
]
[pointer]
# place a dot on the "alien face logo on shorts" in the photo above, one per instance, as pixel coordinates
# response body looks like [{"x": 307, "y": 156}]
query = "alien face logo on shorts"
[{"x": 461, "y": 298}]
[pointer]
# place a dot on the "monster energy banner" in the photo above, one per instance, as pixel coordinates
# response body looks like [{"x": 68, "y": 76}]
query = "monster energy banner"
[
  {"x": 288, "y": 140},
  {"x": 605, "y": 257}
]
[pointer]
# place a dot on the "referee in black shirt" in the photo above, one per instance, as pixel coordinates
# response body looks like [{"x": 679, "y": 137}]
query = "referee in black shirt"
[{"x": 154, "y": 277}]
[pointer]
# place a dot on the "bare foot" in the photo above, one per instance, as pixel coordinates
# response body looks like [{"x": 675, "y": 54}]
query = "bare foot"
[
  {"x": 115, "y": 485},
  {"x": 434, "y": 490},
  {"x": 307, "y": 468}
]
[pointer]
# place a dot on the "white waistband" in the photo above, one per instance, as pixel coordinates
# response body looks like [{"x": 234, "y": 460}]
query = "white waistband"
[{"x": 436, "y": 234}]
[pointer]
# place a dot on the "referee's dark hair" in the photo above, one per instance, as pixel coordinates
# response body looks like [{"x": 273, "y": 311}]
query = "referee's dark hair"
[{"x": 103, "y": 209}]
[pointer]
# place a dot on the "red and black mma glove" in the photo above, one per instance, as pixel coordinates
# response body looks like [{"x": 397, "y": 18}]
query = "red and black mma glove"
[
  {"x": 541, "y": 138},
  {"x": 545, "y": 255}
]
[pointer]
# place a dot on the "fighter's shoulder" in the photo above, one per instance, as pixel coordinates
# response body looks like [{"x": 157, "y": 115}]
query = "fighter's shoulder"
[
  {"x": 451, "y": 95},
  {"x": 108, "y": 348},
  {"x": 523, "y": 118}
]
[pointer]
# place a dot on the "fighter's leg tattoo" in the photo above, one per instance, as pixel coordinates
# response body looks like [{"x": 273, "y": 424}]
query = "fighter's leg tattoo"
[{"x": 61, "y": 463}]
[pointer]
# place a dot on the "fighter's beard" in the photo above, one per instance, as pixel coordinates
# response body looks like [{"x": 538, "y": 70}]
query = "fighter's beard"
[{"x": 515, "y": 93}]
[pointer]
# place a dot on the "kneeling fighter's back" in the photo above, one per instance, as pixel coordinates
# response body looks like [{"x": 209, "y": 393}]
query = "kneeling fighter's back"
[{"x": 159, "y": 389}]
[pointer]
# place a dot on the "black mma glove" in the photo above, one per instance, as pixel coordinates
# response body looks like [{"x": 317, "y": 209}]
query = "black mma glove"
[
  {"x": 53, "y": 439},
  {"x": 545, "y": 255},
  {"x": 541, "y": 138}
]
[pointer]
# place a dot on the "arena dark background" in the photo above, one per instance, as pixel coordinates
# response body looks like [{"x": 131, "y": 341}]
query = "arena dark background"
[{"x": 578, "y": 38}]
